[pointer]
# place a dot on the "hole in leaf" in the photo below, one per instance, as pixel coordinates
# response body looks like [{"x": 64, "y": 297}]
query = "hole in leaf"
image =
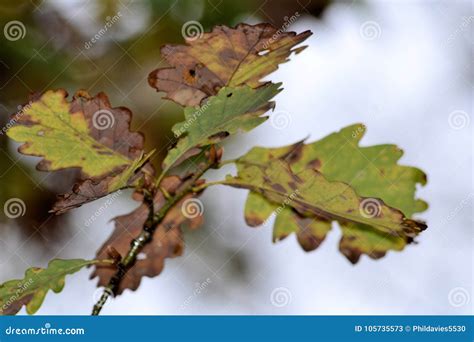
[
  {"x": 263, "y": 52},
  {"x": 192, "y": 72},
  {"x": 229, "y": 95}
]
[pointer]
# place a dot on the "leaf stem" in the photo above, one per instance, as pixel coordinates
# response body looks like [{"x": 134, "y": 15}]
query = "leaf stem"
[
  {"x": 208, "y": 184},
  {"x": 226, "y": 162}
]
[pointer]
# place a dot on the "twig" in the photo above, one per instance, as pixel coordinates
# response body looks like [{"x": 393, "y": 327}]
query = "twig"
[{"x": 146, "y": 235}]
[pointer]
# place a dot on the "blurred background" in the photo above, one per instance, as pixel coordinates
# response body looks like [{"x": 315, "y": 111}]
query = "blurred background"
[{"x": 403, "y": 68}]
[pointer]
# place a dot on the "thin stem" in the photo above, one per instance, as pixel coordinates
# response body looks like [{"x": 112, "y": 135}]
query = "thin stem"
[
  {"x": 159, "y": 179},
  {"x": 225, "y": 162},
  {"x": 146, "y": 235},
  {"x": 208, "y": 184}
]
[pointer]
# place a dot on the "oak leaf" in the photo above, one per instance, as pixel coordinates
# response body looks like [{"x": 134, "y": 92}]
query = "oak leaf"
[
  {"x": 372, "y": 172},
  {"x": 33, "y": 288},
  {"x": 224, "y": 57},
  {"x": 85, "y": 133},
  {"x": 232, "y": 110}
]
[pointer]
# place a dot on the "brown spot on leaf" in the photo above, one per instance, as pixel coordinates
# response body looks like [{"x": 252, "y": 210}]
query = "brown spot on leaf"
[
  {"x": 279, "y": 188},
  {"x": 314, "y": 164},
  {"x": 253, "y": 221},
  {"x": 292, "y": 185}
]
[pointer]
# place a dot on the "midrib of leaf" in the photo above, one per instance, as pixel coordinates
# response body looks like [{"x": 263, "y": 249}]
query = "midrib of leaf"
[
  {"x": 234, "y": 72},
  {"x": 47, "y": 282},
  {"x": 318, "y": 207}
]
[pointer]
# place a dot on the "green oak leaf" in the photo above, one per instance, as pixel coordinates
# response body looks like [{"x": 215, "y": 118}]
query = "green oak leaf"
[
  {"x": 32, "y": 289},
  {"x": 232, "y": 110},
  {"x": 372, "y": 172},
  {"x": 85, "y": 133},
  {"x": 50, "y": 130}
]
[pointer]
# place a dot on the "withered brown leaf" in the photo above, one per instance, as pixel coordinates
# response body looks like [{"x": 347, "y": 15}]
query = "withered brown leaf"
[{"x": 167, "y": 240}]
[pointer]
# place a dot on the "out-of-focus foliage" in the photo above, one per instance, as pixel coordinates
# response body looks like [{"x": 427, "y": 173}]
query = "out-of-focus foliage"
[{"x": 33, "y": 288}]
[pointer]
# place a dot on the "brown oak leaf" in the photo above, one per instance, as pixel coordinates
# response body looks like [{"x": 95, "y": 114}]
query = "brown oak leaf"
[
  {"x": 167, "y": 240},
  {"x": 223, "y": 57}
]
